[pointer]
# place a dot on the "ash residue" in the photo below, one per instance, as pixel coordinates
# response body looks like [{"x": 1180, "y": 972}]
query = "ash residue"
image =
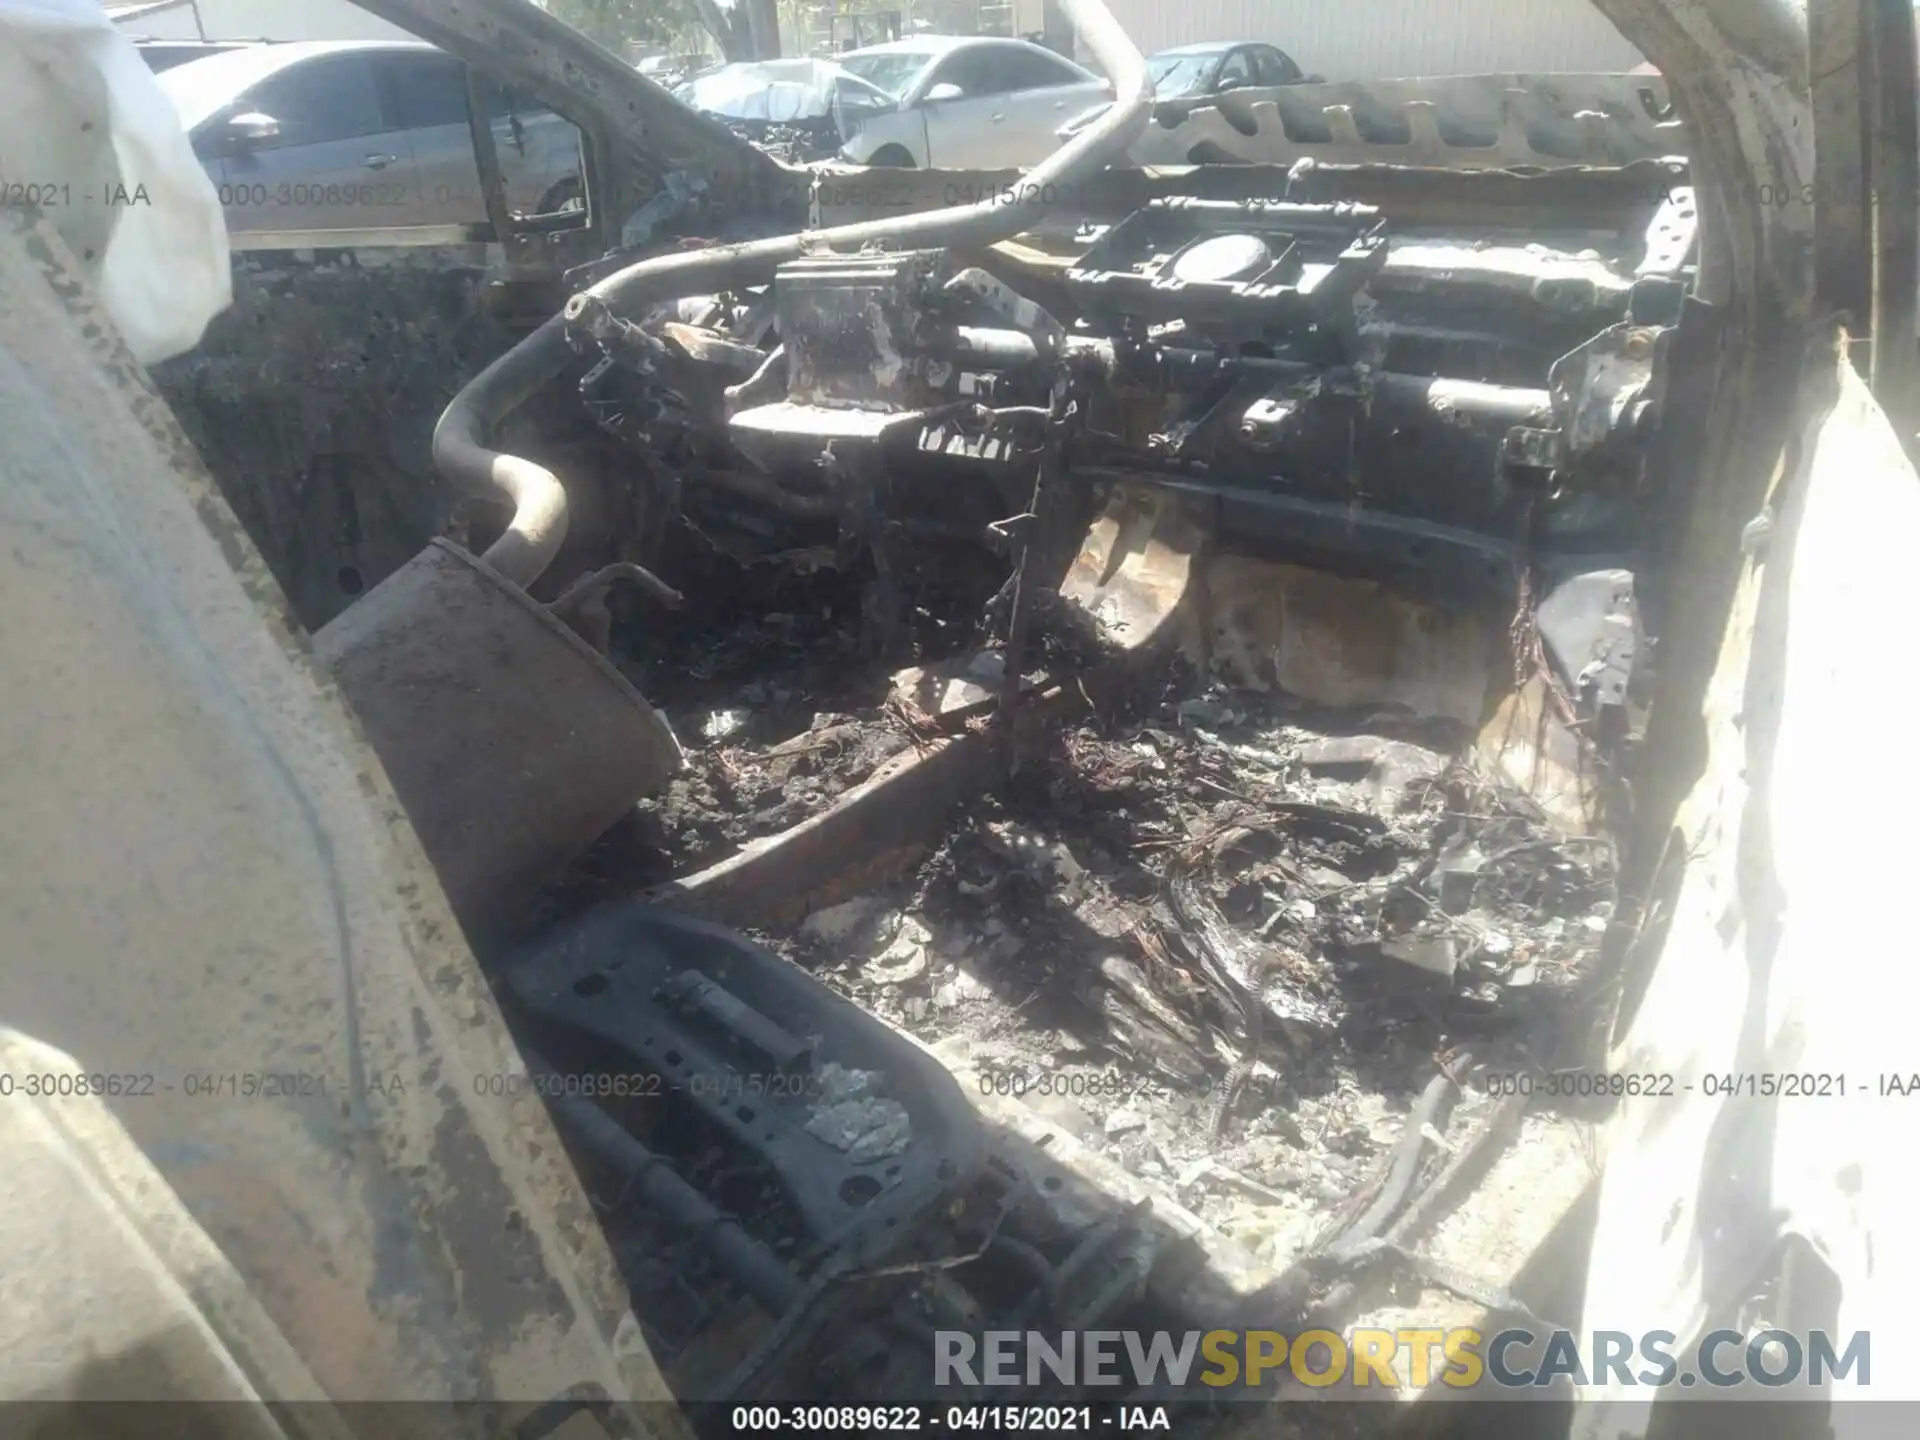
[
  {"x": 1095, "y": 938},
  {"x": 732, "y": 794},
  {"x": 777, "y": 688},
  {"x": 855, "y": 1118}
]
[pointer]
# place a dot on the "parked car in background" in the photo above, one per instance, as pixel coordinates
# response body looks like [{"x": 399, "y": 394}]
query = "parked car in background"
[
  {"x": 967, "y": 102},
  {"x": 323, "y": 138},
  {"x": 783, "y": 92},
  {"x": 1194, "y": 72},
  {"x": 165, "y": 54},
  {"x": 1220, "y": 65},
  {"x": 803, "y": 109}
]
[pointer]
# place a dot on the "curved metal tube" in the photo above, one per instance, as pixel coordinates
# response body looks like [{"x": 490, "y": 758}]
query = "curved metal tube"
[
  {"x": 540, "y": 518},
  {"x": 539, "y": 521}
]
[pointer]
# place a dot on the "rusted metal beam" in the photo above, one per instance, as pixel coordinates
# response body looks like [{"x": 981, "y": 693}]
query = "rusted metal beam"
[
  {"x": 1843, "y": 269},
  {"x": 493, "y": 185},
  {"x": 1893, "y": 170}
]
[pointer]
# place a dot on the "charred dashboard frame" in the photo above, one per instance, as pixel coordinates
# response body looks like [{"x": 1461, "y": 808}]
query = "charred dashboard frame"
[
  {"x": 1348, "y": 375},
  {"x": 1376, "y": 372}
]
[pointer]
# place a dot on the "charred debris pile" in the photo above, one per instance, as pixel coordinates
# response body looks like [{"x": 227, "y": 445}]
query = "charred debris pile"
[
  {"x": 1162, "y": 683},
  {"x": 1224, "y": 939},
  {"x": 1227, "y": 945},
  {"x": 1227, "y": 940},
  {"x": 1223, "y": 935},
  {"x": 779, "y": 699}
]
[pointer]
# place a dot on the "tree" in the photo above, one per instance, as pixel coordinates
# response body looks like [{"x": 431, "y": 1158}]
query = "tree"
[
  {"x": 611, "y": 24},
  {"x": 743, "y": 29}
]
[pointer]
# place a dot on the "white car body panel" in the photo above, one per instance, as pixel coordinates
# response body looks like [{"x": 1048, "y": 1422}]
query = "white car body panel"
[
  {"x": 995, "y": 131},
  {"x": 1701, "y": 1189},
  {"x": 1017, "y": 128}
]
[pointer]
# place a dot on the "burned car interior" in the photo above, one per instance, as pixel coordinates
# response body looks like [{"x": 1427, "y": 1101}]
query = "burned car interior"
[
  {"x": 1284, "y": 559},
  {"x": 1060, "y": 736}
]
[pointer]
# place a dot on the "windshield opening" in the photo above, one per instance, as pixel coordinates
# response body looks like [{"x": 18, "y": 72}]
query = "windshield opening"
[
  {"x": 1179, "y": 74},
  {"x": 893, "y": 71}
]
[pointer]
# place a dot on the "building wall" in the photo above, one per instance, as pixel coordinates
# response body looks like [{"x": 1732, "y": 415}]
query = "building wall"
[
  {"x": 1378, "y": 39},
  {"x": 264, "y": 20}
]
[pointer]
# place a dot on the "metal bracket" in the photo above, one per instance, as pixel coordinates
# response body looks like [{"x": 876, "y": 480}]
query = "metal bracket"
[
  {"x": 1591, "y": 626},
  {"x": 1672, "y": 235},
  {"x": 1048, "y": 334},
  {"x": 1268, "y": 420}
]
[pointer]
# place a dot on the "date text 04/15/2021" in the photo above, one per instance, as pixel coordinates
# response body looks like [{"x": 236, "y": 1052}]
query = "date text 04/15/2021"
[
  {"x": 194, "y": 1085},
  {"x": 1763, "y": 1085},
  {"x": 957, "y": 1419}
]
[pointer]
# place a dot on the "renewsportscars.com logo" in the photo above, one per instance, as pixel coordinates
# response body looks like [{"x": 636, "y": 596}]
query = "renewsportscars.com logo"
[{"x": 1463, "y": 1359}]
